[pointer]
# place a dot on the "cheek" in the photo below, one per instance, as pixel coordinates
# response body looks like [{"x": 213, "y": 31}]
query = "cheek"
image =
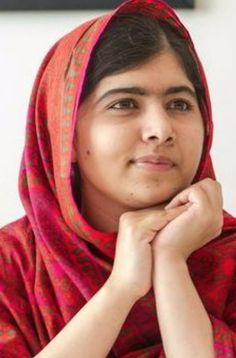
[
  {"x": 97, "y": 149},
  {"x": 199, "y": 140},
  {"x": 196, "y": 135},
  {"x": 83, "y": 145},
  {"x": 110, "y": 142},
  {"x": 194, "y": 146},
  {"x": 191, "y": 143}
]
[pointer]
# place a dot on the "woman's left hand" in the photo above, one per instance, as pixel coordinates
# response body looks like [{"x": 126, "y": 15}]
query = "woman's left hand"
[{"x": 195, "y": 227}]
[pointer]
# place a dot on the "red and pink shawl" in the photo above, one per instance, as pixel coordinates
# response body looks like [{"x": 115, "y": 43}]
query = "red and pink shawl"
[{"x": 52, "y": 260}]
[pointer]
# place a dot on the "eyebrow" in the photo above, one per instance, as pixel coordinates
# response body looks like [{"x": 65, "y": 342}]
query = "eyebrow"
[{"x": 143, "y": 92}]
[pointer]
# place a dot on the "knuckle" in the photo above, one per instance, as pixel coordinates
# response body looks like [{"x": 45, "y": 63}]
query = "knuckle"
[
  {"x": 130, "y": 221},
  {"x": 127, "y": 215},
  {"x": 208, "y": 181},
  {"x": 168, "y": 216},
  {"x": 198, "y": 190},
  {"x": 163, "y": 214},
  {"x": 217, "y": 185}
]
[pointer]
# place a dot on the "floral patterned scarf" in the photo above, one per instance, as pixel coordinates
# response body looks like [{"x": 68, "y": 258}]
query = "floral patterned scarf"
[{"x": 52, "y": 260}]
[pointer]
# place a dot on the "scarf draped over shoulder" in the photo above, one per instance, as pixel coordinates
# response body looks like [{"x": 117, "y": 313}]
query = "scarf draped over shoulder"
[{"x": 52, "y": 261}]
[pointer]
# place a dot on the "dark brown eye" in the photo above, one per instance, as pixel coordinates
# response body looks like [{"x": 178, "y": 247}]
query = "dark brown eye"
[
  {"x": 180, "y": 105},
  {"x": 124, "y": 104}
]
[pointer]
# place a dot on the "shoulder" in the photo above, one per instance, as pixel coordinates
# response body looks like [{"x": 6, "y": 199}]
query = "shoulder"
[
  {"x": 17, "y": 247},
  {"x": 17, "y": 303}
]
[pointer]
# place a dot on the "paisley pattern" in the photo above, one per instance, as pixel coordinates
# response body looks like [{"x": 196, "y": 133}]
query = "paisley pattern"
[{"x": 52, "y": 261}]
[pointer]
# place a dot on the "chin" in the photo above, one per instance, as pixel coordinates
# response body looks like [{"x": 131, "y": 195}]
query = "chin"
[
  {"x": 143, "y": 202},
  {"x": 154, "y": 196},
  {"x": 159, "y": 196}
]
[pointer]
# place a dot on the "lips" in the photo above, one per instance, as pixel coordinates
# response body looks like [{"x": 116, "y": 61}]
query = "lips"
[{"x": 155, "y": 160}]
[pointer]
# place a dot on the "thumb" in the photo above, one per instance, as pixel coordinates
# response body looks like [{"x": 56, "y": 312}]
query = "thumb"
[
  {"x": 180, "y": 200},
  {"x": 175, "y": 208}
]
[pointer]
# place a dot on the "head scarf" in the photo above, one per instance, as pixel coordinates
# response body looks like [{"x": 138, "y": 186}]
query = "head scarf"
[{"x": 52, "y": 260}]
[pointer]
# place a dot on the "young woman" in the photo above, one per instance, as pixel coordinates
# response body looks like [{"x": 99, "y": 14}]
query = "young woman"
[{"x": 125, "y": 250}]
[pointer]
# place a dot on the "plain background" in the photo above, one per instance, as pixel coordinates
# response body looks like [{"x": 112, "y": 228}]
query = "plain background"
[{"x": 25, "y": 37}]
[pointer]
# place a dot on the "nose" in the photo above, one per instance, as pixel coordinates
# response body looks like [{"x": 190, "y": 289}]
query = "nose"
[{"x": 158, "y": 127}]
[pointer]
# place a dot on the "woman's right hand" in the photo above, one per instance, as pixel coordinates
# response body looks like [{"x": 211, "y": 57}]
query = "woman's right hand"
[{"x": 132, "y": 269}]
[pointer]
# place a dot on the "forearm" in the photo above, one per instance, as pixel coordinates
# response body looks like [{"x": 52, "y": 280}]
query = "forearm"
[
  {"x": 94, "y": 329},
  {"x": 184, "y": 323}
]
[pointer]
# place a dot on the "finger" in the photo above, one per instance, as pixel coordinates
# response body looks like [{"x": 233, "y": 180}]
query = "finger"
[
  {"x": 213, "y": 190},
  {"x": 191, "y": 195},
  {"x": 172, "y": 213},
  {"x": 160, "y": 220}
]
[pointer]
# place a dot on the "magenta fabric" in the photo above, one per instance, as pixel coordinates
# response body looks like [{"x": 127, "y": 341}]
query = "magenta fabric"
[{"x": 52, "y": 260}]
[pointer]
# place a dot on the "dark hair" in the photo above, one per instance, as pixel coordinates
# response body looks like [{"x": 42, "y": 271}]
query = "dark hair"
[{"x": 130, "y": 40}]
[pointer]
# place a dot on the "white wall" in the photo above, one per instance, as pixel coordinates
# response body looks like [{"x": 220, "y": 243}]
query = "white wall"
[{"x": 26, "y": 37}]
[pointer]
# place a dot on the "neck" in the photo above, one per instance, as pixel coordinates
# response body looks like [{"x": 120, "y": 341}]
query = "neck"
[{"x": 100, "y": 213}]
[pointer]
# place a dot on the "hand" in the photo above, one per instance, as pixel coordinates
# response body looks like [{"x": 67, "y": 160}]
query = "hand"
[
  {"x": 195, "y": 227},
  {"x": 132, "y": 267}
]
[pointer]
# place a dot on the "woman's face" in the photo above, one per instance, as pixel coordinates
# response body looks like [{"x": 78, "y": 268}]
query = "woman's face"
[{"x": 139, "y": 135}]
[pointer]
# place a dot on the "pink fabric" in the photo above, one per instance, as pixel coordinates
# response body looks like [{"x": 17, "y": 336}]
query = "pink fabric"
[{"x": 52, "y": 260}]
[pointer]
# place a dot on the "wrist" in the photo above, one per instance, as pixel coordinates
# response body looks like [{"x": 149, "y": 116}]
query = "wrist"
[
  {"x": 167, "y": 263},
  {"x": 170, "y": 255},
  {"x": 168, "y": 266},
  {"x": 112, "y": 289}
]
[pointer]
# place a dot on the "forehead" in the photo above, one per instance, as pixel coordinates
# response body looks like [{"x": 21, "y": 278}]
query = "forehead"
[{"x": 162, "y": 70}]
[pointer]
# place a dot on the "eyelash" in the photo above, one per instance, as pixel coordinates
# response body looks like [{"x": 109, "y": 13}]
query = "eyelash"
[
  {"x": 188, "y": 106},
  {"x": 125, "y": 100}
]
